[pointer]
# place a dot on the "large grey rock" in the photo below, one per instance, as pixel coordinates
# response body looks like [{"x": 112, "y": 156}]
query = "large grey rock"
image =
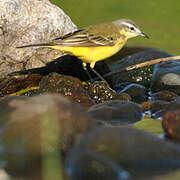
[{"x": 25, "y": 22}]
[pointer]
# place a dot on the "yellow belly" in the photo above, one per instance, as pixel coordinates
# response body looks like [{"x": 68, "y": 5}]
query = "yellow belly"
[{"x": 92, "y": 54}]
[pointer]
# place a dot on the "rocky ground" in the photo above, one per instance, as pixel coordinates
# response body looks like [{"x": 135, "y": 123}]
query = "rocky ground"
[{"x": 57, "y": 124}]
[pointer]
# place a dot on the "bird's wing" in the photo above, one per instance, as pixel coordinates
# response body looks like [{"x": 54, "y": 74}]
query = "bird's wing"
[
  {"x": 92, "y": 36},
  {"x": 104, "y": 34},
  {"x": 84, "y": 39}
]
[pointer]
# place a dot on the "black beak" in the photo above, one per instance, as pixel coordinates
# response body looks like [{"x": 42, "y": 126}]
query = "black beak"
[{"x": 144, "y": 35}]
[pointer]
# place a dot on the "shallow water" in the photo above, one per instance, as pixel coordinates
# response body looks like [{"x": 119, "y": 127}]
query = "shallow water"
[{"x": 158, "y": 18}]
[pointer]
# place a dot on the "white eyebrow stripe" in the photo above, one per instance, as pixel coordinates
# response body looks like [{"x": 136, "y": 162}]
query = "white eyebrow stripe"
[{"x": 128, "y": 24}]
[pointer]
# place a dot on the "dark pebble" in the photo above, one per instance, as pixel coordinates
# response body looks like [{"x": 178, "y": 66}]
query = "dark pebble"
[
  {"x": 116, "y": 111},
  {"x": 171, "y": 124},
  {"x": 137, "y": 92},
  {"x": 164, "y": 95}
]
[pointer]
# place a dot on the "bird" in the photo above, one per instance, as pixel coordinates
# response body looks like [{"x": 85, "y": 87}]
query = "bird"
[{"x": 95, "y": 42}]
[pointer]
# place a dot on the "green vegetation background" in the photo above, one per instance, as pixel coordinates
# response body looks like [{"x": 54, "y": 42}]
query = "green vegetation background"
[{"x": 158, "y": 18}]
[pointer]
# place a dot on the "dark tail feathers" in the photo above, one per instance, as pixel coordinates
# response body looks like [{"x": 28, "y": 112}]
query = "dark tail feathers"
[{"x": 34, "y": 45}]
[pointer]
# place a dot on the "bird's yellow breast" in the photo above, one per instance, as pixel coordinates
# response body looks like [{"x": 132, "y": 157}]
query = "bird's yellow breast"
[{"x": 92, "y": 54}]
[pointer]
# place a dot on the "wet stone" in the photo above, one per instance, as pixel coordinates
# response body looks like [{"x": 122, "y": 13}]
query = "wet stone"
[
  {"x": 68, "y": 86},
  {"x": 171, "y": 124},
  {"x": 116, "y": 112},
  {"x": 171, "y": 106},
  {"x": 166, "y": 76},
  {"x": 164, "y": 95},
  {"x": 99, "y": 91},
  {"x": 159, "y": 105},
  {"x": 31, "y": 122},
  {"x": 174, "y": 105},
  {"x": 11, "y": 85},
  {"x": 96, "y": 167},
  {"x": 124, "y": 97},
  {"x": 162, "y": 102},
  {"x": 158, "y": 114},
  {"x": 137, "y": 92},
  {"x": 141, "y": 76},
  {"x": 142, "y": 155}
]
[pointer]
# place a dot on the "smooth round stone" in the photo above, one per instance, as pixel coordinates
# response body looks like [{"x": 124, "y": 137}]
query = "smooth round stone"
[
  {"x": 136, "y": 91},
  {"x": 139, "y": 153},
  {"x": 171, "y": 124},
  {"x": 166, "y": 76},
  {"x": 116, "y": 111}
]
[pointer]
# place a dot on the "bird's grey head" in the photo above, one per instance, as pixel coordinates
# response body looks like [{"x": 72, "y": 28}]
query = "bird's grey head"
[{"x": 128, "y": 28}]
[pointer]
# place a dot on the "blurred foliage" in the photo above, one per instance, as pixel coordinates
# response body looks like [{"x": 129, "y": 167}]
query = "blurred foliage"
[{"x": 158, "y": 18}]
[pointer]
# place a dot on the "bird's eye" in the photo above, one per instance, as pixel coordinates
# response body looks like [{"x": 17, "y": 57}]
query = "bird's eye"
[{"x": 132, "y": 28}]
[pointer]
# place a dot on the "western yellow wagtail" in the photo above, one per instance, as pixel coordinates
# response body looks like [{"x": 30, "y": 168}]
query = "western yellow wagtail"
[{"x": 96, "y": 42}]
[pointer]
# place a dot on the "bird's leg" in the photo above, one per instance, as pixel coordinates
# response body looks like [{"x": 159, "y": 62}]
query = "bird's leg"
[
  {"x": 99, "y": 76},
  {"x": 85, "y": 68}
]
